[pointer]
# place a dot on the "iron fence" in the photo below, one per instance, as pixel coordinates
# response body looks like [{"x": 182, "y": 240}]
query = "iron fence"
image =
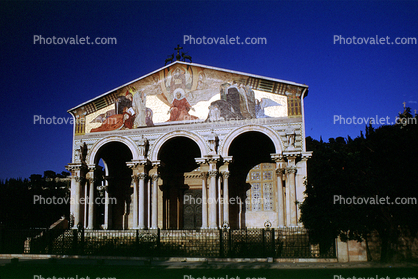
[{"x": 242, "y": 243}]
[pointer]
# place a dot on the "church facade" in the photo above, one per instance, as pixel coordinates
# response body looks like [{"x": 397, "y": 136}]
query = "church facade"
[{"x": 190, "y": 146}]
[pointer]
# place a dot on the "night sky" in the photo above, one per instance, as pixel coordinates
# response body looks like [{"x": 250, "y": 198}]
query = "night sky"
[{"x": 361, "y": 80}]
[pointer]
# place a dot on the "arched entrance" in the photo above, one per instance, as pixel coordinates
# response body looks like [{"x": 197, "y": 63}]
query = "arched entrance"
[
  {"x": 113, "y": 182},
  {"x": 177, "y": 156},
  {"x": 249, "y": 150}
]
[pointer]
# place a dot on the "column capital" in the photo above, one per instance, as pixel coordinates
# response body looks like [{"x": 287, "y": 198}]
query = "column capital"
[
  {"x": 156, "y": 163},
  {"x": 291, "y": 158},
  {"x": 91, "y": 168},
  {"x": 291, "y": 155},
  {"x": 90, "y": 177},
  {"x": 134, "y": 177},
  {"x": 72, "y": 167},
  {"x": 277, "y": 157},
  {"x": 211, "y": 159},
  {"x": 142, "y": 175},
  {"x": 200, "y": 161},
  {"x": 213, "y": 173},
  {"x": 203, "y": 175},
  {"x": 306, "y": 155},
  {"x": 137, "y": 176},
  {"x": 280, "y": 171},
  {"x": 225, "y": 174},
  {"x": 136, "y": 163},
  {"x": 227, "y": 159},
  {"x": 155, "y": 176},
  {"x": 291, "y": 170}
]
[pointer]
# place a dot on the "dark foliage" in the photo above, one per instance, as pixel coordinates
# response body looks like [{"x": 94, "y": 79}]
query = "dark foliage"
[
  {"x": 381, "y": 166},
  {"x": 23, "y": 201}
]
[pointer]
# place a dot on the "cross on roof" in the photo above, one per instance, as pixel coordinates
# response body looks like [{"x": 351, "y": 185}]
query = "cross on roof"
[
  {"x": 178, "y": 48},
  {"x": 178, "y": 52}
]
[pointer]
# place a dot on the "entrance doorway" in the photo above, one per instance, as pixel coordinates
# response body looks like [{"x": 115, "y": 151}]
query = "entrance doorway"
[
  {"x": 248, "y": 150},
  {"x": 115, "y": 179},
  {"x": 192, "y": 209},
  {"x": 177, "y": 157}
]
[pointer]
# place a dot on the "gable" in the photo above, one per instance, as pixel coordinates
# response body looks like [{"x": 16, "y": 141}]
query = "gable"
[{"x": 188, "y": 93}]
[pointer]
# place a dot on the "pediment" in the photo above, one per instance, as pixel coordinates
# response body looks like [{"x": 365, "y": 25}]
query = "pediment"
[{"x": 189, "y": 93}]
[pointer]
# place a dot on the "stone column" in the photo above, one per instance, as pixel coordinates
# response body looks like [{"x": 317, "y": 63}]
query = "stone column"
[
  {"x": 76, "y": 183},
  {"x": 280, "y": 207},
  {"x": 226, "y": 197},
  {"x": 301, "y": 177},
  {"x": 86, "y": 203},
  {"x": 204, "y": 176},
  {"x": 75, "y": 192},
  {"x": 141, "y": 201},
  {"x": 290, "y": 183},
  {"x": 219, "y": 197},
  {"x": 139, "y": 173},
  {"x": 154, "y": 203},
  {"x": 212, "y": 199},
  {"x": 135, "y": 201},
  {"x": 204, "y": 167},
  {"x": 224, "y": 170},
  {"x": 282, "y": 204},
  {"x": 90, "y": 225},
  {"x": 212, "y": 161},
  {"x": 241, "y": 204},
  {"x": 148, "y": 200},
  {"x": 106, "y": 209}
]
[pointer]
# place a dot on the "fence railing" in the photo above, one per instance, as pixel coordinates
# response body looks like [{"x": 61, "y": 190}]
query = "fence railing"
[{"x": 248, "y": 243}]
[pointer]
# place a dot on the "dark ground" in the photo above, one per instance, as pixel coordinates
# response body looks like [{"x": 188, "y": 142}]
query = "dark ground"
[{"x": 119, "y": 269}]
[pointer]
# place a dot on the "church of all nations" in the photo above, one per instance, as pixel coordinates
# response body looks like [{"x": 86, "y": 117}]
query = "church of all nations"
[{"x": 190, "y": 147}]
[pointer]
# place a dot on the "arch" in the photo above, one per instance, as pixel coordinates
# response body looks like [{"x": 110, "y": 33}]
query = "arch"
[
  {"x": 127, "y": 141},
  {"x": 275, "y": 138},
  {"x": 153, "y": 155}
]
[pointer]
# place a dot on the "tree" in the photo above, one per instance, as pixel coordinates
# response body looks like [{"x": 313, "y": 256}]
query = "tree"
[
  {"x": 382, "y": 164},
  {"x": 22, "y": 201}
]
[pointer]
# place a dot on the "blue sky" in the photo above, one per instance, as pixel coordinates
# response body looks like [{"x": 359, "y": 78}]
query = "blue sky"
[{"x": 344, "y": 79}]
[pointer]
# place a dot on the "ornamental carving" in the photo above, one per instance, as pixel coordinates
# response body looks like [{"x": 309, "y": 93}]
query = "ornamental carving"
[
  {"x": 291, "y": 170},
  {"x": 280, "y": 171},
  {"x": 142, "y": 176},
  {"x": 290, "y": 138},
  {"x": 143, "y": 145},
  {"x": 213, "y": 142},
  {"x": 83, "y": 154},
  {"x": 213, "y": 173},
  {"x": 134, "y": 178}
]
